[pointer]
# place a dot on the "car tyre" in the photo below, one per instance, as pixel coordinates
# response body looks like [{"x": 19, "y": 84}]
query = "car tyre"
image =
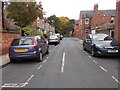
[
  {"x": 47, "y": 51},
  {"x": 40, "y": 57},
  {"x": 84, "y": 47},
  {"x": 12, "y": 60},
  {"x": 93, "y": 52}
]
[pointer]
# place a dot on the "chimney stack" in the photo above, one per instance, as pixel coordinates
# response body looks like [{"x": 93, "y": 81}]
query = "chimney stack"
[{"x": 96, "y": 7}]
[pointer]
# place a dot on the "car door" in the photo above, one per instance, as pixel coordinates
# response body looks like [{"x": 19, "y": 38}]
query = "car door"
[
  {"x": 44, "y": 45},
  {"x": 88, "y": 42},
  {"x": 40, "y": 44}
]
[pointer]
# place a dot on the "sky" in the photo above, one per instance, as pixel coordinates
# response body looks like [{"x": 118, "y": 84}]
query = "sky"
[{"x": 72, "y": 8}]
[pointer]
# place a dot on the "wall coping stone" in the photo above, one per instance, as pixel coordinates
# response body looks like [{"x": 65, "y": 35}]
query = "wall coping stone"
[{"x": 1, "y": 31}]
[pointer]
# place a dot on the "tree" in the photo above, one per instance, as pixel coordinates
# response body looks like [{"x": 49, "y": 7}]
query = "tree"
[
  {"x": 55, "y": 21},
  {"x": 62, "y": 24},
  {"x": 24, "y": 13}
]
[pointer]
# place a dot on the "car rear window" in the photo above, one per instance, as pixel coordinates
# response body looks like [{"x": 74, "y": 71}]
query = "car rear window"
[
  {"x": 22, "y": 41},
  {"x": 53, "y": 37}
]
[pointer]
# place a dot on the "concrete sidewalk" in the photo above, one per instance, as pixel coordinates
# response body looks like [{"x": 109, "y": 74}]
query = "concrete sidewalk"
[{"x": 4, "y": 60}]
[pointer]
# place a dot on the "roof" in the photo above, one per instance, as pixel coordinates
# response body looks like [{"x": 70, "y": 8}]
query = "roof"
[{"x": 91, "y": 13}]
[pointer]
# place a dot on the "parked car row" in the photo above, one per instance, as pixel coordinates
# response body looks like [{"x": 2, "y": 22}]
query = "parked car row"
[
  {"x": 31, "y": 47},
  {"x": 101, "y": 45},
  {"x": 55, "y": 39}
]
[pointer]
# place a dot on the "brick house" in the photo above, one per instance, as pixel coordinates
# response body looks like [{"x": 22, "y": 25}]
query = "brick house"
[
  {"x": 76, "y": 29},
  {"x": 44, "y": 26},
  {"x": 117, "y": 29},
  {"x": 100, "y": 21}
]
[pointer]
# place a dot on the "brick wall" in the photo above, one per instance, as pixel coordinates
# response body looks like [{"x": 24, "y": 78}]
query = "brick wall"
[
  {"x": 100, "y": 19},
  {"x": 7, "y": 38},
  {"x": 117, "y": 29},
  {"x": 76, "y": 31}
]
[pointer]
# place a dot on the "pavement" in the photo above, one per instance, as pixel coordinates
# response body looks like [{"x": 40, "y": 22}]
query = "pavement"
[
  {"x": 66, "y": 66},
  {"x": 4, "y": 60}
]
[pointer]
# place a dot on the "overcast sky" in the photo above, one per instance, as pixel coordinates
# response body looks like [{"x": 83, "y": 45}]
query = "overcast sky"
[{"x": 72, "y": 8}]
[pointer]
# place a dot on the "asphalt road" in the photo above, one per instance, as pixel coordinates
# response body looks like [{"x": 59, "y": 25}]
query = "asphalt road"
[{"x": 66, "y": 66}]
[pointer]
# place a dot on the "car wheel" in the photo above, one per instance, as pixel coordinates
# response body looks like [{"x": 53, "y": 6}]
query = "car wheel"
[
  {"x": 13, "y": 60},
  {"x": 40, "y": 57},
  {"x": 93, "y": 52},
  {"x": 47, "y": 51},
  {"x": 84, "y": 47}
]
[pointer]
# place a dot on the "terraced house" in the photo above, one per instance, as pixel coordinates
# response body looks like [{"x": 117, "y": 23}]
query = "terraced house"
[
  {"x": 117, "y": 29},
  {"x": 97, "y": 21}
]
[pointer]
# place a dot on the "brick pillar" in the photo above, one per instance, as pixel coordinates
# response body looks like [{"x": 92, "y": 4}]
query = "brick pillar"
[
  {"x": 117, "y": 29},
  {"x": 0, "y": 15}
]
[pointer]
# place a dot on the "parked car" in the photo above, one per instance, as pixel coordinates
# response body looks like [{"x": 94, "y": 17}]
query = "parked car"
[
  {"x": 28, "y": 47},
  {"x": 58, "y": 35},
  {"x": 101, "y": 44},
  {"x": 61, "y": 37},
  {"x": 53, "y": 39}
]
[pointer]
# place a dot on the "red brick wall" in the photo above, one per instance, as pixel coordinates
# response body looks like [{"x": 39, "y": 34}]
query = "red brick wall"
[
  {"x": 117, "y": 29},
  {"x": 76, "y": 31},
  {"x": 7, "y": 38},
  {"x": 99, "y": 19}
]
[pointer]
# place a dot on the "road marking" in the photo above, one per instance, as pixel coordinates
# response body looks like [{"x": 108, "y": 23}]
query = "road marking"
[
  {"x": 103, "y": 68},
  {"x": 47, "y": 57},
  {"x": 44, "y": 61},
  {"x": 28, "y": 80},
  {"x": 50, "y": 54},
  {"x": 63, "y": 62},
  {"x": 90, "y": 57},
  {"x": 40, "y": 67},
  {"x": 115, "y": 79},
  {"x": 13, "y": 85},
  {"x": 94, "y": 61},
  {"x": 86, "y": 53}
]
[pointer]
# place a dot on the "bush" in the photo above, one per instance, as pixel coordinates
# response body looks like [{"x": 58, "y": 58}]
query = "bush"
[
  {"x": 31, "y": 32},
  {"x": 46, "y": 35}
]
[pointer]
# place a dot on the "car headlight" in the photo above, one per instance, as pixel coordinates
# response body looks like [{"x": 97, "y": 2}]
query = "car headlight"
[{"x": 99, "y": 46}]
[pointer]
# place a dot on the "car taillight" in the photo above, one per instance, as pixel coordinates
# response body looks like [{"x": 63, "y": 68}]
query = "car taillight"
[
  {"x": 48, "y": 39},
  {"x": 9, "y": 48},
  {"x": 35, "y": 43},
  {"x": 56, "y": 38}
]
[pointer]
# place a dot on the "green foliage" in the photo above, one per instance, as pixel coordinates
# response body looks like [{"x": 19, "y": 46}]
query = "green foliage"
[
  {"x": 24, "y": 13},
  {"x": 31, "y": 32},
  {"x": 62, "y": 24},
  {"x": 46, "y": 35}
]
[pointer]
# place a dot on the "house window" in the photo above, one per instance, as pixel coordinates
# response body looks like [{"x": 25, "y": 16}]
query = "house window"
[
  {"x": 112, "y": 19},
  {"x": 86, "y": 20},
  {"x": 86, "y": 31}
]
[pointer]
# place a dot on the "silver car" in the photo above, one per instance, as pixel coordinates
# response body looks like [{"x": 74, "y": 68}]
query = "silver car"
[{"x": 54, "y": 39}]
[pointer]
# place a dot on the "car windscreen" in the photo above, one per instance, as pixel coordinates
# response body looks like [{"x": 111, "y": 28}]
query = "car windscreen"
[
  {"x": 24, "y": 41},
  {"x": 102, "y": 38}
]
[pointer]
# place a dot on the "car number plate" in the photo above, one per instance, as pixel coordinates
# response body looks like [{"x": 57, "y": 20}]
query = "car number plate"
[
  {"x": 112, "y": 51},
  {"x": 21, "y": 50}
]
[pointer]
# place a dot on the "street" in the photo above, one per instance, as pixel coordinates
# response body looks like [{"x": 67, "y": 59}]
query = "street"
[{"x": 66, "y": 66}]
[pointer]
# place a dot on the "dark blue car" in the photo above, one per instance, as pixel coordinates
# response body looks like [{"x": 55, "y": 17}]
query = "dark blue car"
[
  {"x": 101, "y": 45},
  {"x": 28, "y": 47}
]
